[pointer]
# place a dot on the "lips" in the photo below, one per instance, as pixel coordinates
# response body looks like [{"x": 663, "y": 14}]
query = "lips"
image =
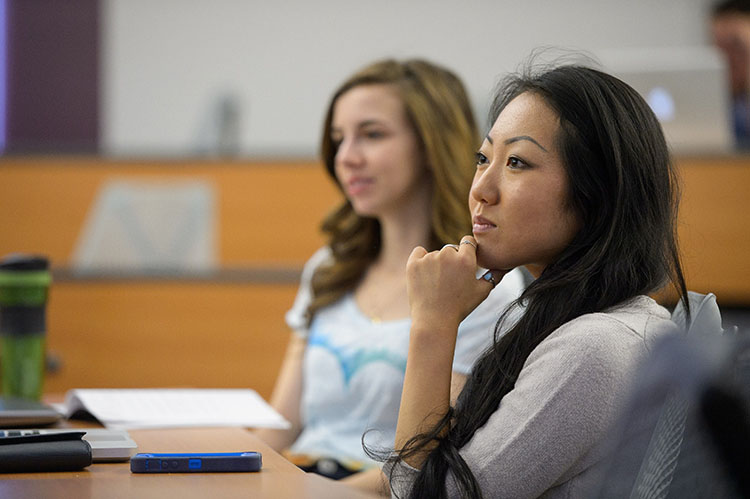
[
  {"x": 481, "y": 224},
  {"x": 357, "y": 185}
]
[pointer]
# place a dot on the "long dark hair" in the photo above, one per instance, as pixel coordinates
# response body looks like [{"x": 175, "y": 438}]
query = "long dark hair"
[{"x": 623, "y": 186}]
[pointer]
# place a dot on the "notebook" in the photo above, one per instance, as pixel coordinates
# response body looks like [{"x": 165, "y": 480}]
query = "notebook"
[
  {"x": 124, "y": 408},
  {"x": 688, "y": 90}
]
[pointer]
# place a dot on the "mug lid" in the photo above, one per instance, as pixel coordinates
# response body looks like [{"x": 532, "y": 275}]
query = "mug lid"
[{"x": 21, "y": 261}]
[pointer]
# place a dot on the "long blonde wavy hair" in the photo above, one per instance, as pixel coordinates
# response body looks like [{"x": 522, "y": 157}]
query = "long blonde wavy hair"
[{"x": 440, "y": 113}]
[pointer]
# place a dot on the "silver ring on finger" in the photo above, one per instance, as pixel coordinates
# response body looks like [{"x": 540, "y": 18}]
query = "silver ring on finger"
[
  {"x": 454, "y": 246},
  {"x": 466, "y": 241},
  {"x": 490, "y": 278}
]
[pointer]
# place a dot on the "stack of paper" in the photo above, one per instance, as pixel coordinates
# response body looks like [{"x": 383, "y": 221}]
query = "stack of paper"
[{"x": 159, "y": 408}]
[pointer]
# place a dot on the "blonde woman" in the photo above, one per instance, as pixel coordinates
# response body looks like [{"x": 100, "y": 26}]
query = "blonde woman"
[{"x": 399, "y": 139}]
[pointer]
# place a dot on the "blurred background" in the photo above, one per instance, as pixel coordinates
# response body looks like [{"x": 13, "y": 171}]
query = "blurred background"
[
  {"x": 252, "y": 78},
  {"x": 163, "y": 155}
]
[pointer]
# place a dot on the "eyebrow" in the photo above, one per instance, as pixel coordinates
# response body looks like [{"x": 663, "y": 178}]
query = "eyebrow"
[
  {"x": 516, "y": 139},
  {"x": 369, "y": 122},
  {"x": 362, "y": 124}
]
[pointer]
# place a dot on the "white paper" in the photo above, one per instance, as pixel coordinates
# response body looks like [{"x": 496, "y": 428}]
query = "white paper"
[{"x": 175, "y": 407}]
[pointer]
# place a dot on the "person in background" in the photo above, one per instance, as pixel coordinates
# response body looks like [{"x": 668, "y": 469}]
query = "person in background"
[
  {"x": 730, "y": 29},
  {"x": 399, "y": 139},
  {"x": 574, "y": 181}
]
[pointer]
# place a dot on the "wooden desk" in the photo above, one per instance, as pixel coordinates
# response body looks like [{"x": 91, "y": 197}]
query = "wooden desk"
[{"x": 278, "y": 478}]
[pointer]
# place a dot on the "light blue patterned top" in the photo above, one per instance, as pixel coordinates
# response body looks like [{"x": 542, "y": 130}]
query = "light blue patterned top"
[{"x": 354, "y": 368}]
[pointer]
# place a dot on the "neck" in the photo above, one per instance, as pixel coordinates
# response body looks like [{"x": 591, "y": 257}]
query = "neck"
[{"x": 400, "y": 235}]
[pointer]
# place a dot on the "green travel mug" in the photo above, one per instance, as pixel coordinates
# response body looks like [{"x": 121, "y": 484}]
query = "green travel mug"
[{"x": 24, "y": 285}]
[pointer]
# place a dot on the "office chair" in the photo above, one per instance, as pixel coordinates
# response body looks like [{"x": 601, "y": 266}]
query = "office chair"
[{"x": 686, "y": 432}]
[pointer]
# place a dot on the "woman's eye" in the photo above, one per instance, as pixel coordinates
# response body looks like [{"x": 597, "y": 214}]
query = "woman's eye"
[
  {"x": 481, "y": 159},
  {"x": 514, "y": 162},
  {"x": 374, "y": 134}
]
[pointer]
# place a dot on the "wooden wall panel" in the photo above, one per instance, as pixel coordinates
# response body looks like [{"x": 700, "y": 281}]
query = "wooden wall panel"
[
  {"x": 269, "y": 213},
  {"x": 167, "y": 334},
  {"x": 229, "y": 332},
  {"x": 714, "y": 227}
]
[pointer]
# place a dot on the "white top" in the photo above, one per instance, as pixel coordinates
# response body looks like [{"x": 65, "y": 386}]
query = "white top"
[
  {"x": 354, "y": 367},
  {"x": 548, "y": 436}
]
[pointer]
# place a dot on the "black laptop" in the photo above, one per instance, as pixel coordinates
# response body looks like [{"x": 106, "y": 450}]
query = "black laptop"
[{"x": 18, "y": 412}]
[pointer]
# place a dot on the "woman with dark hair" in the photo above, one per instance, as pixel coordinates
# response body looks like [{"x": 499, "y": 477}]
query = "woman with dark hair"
[
  {"x": 398, "y": 139},
  {"x": 574, "y": 181}
]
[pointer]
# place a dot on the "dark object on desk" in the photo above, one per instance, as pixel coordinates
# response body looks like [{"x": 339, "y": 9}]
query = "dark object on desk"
[
  {"x": 196, "y": 462},
  {"x": 19, "y": 412},
  {"x": 107, "y": 445},
  {"x": 327, "y": 467},
  {"x": 48, "y": 452}
]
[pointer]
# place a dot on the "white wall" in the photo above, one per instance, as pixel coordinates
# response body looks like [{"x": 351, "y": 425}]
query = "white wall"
[{"x": 166, "y": 63}]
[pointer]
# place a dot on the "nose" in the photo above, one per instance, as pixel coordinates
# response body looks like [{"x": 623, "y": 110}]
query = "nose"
[
  {"x": 348, "y": 153},
  {"x": 485, "y": 188}
]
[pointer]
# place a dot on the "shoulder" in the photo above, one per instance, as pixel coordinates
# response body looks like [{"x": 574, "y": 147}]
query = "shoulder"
[
  {"x": 296, "y": 317},
  {"x": 322, "y": 255},
  {"x": 637, "y": 319},
  {"x": 618, "y": 334}
]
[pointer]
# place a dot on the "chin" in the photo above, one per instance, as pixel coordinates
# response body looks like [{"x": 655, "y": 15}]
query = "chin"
[
  {"x": 364, "y": 210},
  {"x": 485, "y": 260},
  {"x": 494, "y": 261}
]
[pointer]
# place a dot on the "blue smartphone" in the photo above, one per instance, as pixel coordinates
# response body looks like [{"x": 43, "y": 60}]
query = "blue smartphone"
[{"x": 195, "y": 462}]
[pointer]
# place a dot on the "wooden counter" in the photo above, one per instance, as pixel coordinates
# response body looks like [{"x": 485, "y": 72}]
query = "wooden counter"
[
  {"x": 714, "y": 227},
  {"x": 227, "y": 329},
  {"x": 268, "y": 213}
]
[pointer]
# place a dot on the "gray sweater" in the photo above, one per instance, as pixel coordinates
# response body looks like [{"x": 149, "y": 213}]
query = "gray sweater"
[{"x": 548, "y": 436}]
